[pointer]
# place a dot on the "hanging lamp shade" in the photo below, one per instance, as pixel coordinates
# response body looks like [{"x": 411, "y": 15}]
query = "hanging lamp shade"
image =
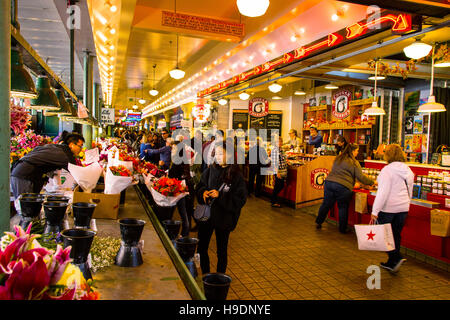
[
  {"x": 153, "y": 92},
  {"x": 417, "y": 50},
  {"x": 431, "y": 105},
  {"x": 374, "y": 110},
  {"x": 46, "y": 99},
  {"x": 252, "y": 8},
  {"x": 177, "y": 73},
  {"x": 64, "y": 109},
  {"x": 244, "y": 96},
  {"x": 222, "y": 102},
  {"x": 22, "y": 85},
  {"x": 275, "y": 87},
  {"x": 73, "y": 112}
]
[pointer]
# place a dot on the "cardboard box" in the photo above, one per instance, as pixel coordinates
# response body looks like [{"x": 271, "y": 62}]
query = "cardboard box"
[{"x": 107, "y": 204}]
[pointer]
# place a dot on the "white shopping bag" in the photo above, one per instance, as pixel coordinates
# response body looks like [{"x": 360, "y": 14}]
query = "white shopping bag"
[
  {"x": 375, "y": 237},
  {"x": 86, "y": 177},
  {"x": 164, "y": 201},
  {"x": 116, "y": 184}
]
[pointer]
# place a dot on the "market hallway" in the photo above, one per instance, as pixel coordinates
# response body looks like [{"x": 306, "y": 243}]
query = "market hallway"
[{"x": 278, "y": 254}]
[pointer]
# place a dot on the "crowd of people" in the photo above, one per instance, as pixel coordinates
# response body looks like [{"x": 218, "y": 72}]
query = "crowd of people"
[{"x": 211, "y": 166}]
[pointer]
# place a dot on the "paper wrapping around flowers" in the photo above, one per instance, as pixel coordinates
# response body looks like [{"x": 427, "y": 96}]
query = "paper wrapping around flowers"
[
  {"x": 86, "y": 177},
  {"x": 116, "y": 184},
  {"x": 164, "y": 201}
]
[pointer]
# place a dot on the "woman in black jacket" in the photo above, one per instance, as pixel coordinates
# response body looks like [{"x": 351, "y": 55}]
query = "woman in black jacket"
[{"x": 225, "y": 209}]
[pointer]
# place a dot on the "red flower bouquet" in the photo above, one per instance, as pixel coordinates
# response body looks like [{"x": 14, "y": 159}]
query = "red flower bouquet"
[
  {"x": 120, "y": 171},
  {"x": 169, "y": 187},
  {"x": 150, "y": 168}
]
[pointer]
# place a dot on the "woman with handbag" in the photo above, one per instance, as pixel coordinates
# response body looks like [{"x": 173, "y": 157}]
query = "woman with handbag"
[
  {"x": 222, "y": 187},
  {"x": 339, "y": 186},
  {"x": 391, "y": 205}
]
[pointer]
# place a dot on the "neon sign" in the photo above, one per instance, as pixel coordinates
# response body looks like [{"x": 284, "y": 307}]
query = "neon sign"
[{"x": 398, "y": 23}]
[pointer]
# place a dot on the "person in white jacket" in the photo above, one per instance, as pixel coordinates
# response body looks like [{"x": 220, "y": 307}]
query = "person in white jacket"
[{"x": 391, "y": 205}]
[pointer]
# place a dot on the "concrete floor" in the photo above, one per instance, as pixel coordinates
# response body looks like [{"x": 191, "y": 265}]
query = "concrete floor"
[{"x": 278, "y": 254}]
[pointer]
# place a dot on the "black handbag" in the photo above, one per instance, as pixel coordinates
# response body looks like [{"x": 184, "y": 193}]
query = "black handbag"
[{"x": 203, "y": 211}]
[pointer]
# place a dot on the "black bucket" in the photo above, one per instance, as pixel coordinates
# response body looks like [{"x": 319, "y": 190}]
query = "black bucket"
[
  {"x": 164, "y": 213},
  {"x": 81, "y": 241},
  {"x": 130, "y": 254},
  {"x": 53, "y": 198},
  {"x": 172, "y": 228},
  {"x": 216, "y": 286},
  {"x": 82, "y": 213},
  {"x": 30, "y": 209},
  {"x": 54, "y": 216},
  {"x": 31, "y": 195},
  {"x": 186, "y": 247}
]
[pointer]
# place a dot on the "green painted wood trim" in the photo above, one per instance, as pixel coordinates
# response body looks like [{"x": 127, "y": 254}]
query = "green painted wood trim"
[{"x": 190, "y": 283}]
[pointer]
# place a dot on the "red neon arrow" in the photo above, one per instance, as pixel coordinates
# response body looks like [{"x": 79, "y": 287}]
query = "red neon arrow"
[
  {"x": 400, "y": 23},
  {"x": 330, "y": 41}
]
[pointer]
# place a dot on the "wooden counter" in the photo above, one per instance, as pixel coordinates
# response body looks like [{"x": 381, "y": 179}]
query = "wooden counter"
[
  {"x": 304, "y": 184},
  {"x": 418, "y": 168}
]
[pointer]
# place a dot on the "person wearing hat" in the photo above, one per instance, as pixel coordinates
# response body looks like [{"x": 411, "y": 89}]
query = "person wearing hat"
[
  {"x": 315, "y": 138},
  {"x": 294, "y": 141}
]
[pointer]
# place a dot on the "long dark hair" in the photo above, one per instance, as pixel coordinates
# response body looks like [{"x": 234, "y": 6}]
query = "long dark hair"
[
  {"x": 231, "y": 170},
  {"x": 347, "y": 153}
]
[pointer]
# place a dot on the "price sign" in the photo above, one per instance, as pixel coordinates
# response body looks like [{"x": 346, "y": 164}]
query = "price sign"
[{"x": 108, "y": 116}]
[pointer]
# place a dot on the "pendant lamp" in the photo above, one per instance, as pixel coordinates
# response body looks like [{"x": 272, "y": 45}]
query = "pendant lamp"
[
  {"x": 222, "y": 102},
  {"x": 252, "y": 8},
  {"x": 417, "y": 50},
  {"x": 275, "y": 87},
  {"x": 374, "y": 110},
  {"x": 64, "y": 109},
  {"x": 135, "y": 106},
  {"x": 142, "y": 100},
  {"x": 46, "y": 99},
  {"x": 177, "y": 73},
  {"x": 154, "y": 92},
  {"x": 431, "y": 105},
  {"x": 300, "y": 92},
  {"x": 244, "y": 96},
  {"x": 73, "y": 112},
  {"x": 22, "y": 85}
]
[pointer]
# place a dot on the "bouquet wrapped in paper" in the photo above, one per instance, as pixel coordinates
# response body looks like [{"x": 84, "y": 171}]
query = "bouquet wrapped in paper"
[
  {"x": 86, "y": 177},
  {"x": 167, "y": 192},
  {"x": 117, "y": 179}
]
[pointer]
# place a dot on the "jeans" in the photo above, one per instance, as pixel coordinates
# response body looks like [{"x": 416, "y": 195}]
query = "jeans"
[
  {"x": 185, "y": 221},
  {"x": 205, "y": 232},
  {"x": 279, "y": 185},
  {"x": 255, "y": 171},
  {"x": 333, "y": 192},
  {"x": 19, "y": 186},
  {"x": 397, "y": 221}
]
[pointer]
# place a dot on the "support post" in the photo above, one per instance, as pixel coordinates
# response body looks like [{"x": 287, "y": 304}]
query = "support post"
[
  {"x": 5, "y": 133},
  {"x": 87, "y": 96}
]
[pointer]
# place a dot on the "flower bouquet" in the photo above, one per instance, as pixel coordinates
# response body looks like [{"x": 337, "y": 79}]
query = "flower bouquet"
[
  {"x": 86, "y": 177},
  {"x": 167, "y": 192},
  {"x": 24, "y": 143},
  {"x": 31, "y": 272},
  {"x": 117, "y": 179},
  {"x": 20, "y": 118}
]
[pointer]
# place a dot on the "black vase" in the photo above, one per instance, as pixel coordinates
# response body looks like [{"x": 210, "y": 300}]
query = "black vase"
[
  {"x": 81, "y": 241},
  {"x": 54, "y": 216},
  {"x": 58, "y": 199},
  {"x": 186, "y": 247},
  {"x": 30, "y": 208},
  {"x": 216, "y": 286},
  {"x": 82, "y": 214},
  {"x": 130, "y": 254},
  {"x": 172, "y": 228}
]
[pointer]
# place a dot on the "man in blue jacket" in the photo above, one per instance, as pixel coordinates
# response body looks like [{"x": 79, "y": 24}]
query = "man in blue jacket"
[{"x": 165, "y": 154}]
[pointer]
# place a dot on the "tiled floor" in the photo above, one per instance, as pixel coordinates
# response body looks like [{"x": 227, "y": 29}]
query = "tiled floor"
[{"x": 278, "y": 254}]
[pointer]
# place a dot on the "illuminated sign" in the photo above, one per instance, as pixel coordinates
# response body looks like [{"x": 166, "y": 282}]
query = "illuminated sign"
[
  {"x": 134, "y": 116},
  {"x": 200, "y": 113},
  {"x": 258, "y": 107},
  {"x": 398, "y": 23}
]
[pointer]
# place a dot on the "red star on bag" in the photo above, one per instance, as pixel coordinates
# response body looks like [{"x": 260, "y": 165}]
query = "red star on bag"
[{"x": 370, "y": 236}]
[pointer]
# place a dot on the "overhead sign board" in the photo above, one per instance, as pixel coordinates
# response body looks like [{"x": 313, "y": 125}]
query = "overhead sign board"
[{"x": 107, "y": 116}]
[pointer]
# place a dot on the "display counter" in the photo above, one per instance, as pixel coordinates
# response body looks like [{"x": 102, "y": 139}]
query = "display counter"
[
  {"x": 305, "y": 180},
  {"x": 416, "y": 233},
  {"x": 417, "y": 168}
]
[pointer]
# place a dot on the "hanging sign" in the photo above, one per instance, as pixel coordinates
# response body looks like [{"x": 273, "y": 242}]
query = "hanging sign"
[
  {"x": 200, "y": 113},
  {"x": 318, "y": 177},
  {"x": 258, "y": 107},
  {"x": 108, "y": 116},
  {"x": 341, "y": 106},
  {"x": 82, "y": 111}
]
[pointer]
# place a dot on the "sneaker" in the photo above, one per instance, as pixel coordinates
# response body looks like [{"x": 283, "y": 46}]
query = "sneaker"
[
  {"x": 398, "y": 265},
  {"x": 386, "y": 266},
  {"x": 276, "y": 205}
]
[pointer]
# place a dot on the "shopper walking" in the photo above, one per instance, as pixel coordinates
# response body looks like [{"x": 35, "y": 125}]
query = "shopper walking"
[
  {"x": 391, "y": 205},
  {"x": 257, "y": 159},
  {"x": 279, "y": 167},
  {"x": 165, "y": 154},
  {"x": 339, "y": 186},
  {"x": 225, "y": 209}
]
